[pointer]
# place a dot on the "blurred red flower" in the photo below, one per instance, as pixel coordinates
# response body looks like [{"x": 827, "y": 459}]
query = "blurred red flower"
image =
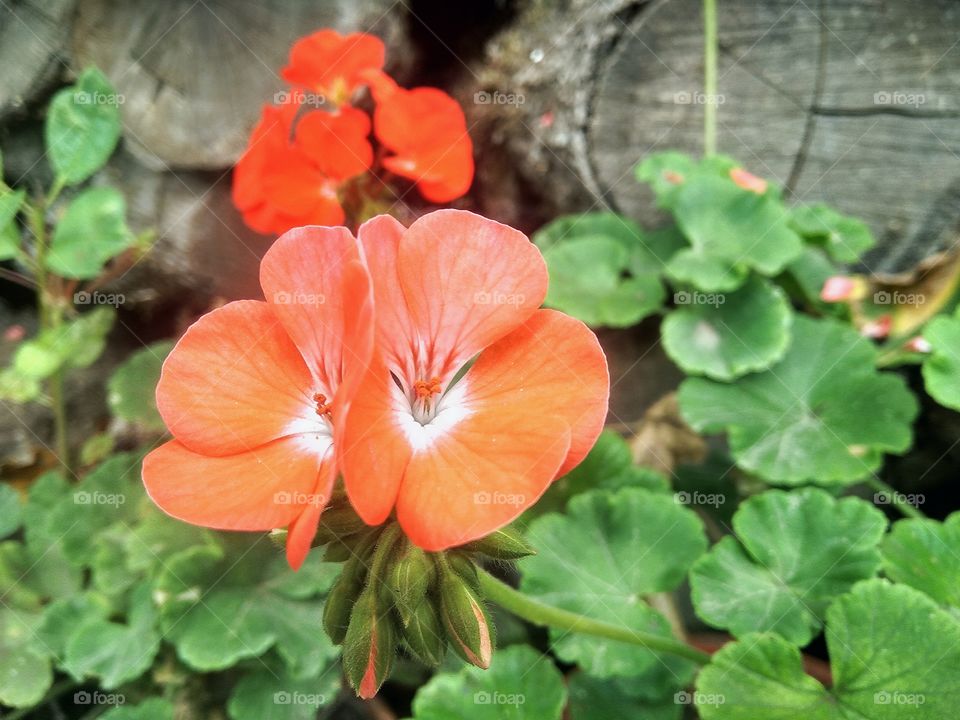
[
  {"x": 333, "y": 64},
  {"x": 288, "y": 178}
]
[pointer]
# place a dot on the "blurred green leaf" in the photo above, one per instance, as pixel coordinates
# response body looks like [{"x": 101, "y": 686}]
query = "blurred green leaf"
[
  {"x": 822, "y": 414},
  {"x": 271, "y": 693},
  {"x": 893, "y": 653},
  {"x": 724, "y": 336},
  {"x": 96, "y": 448},
  {"x": 601, "y": 269},
  {"x": 76, "y": 344},
  {"x": 600, "y": 558},
  {"x": 729, "y": 227},
  {"x": 152, "y": 709},
  {"x": 608, "y": 466},
  {"x": 595, "y": 699},
  {"x": 116, "y": 652},
  {"x": 218, "y": 610},
  {"x": 83, "y": 127},
  {"x": 844, "y": 237},
  {"x": 92, "y": 231},
  {"x": 794, "y": 552},
  {"x": 925, "y": 554},
  {"x": 131, "y": 390},
  {"x": 10, "y": 203},
  {"x": 941, "y": 368},
  {"x": 25, "y": 673},
  {"x": 10, "y": 510},
  {"x": 64, "y": 616},
  {"x": 521, "y": 684}
]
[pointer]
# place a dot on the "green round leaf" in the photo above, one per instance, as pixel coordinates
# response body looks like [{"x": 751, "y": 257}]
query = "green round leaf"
[
  {"x": 822, "y": 414},
  {"x": 25, "y": 673},
  {"x": 724, "y": 336},
  {"x": 925, "y": 554},
  {"x": 894, "y": 656},
  {"x": 152, "y": 709},
  {"x": 600, "y": 558},
  {"x": 83, "y": 127},
  {"x": 797, "y": 551},
  {"x": 131, "y": 390},
  {"x": 941, "y": 369},
  {"x": 91, "y": 231},
  {"x": 595, "y": 699},
  {"x": 521, "y": 684},
  {"x": 587, "y": 281},
  {"x": 844, "y": 237},
  {"x": 270, "y": 693},
  {"x": 725, "y": 222},
  {"x": 10, "y": 202}
]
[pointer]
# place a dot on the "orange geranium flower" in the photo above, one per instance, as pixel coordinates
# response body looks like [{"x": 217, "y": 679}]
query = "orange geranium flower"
[
  {"x": 476, "y": 399},
  {"x": 256, "y": 393},
  {"x": 426, "y": 131},
  {"x": 288, "y": 178},
  {"x": 333, "y": 64}
]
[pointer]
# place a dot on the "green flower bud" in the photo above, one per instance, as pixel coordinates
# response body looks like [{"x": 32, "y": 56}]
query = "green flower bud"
[
  {"x": 463, "y": 566},
  {"x": 504, "y": 544},
  {"x": 341, "y": 599},
  {"x": 465, "y": 620},
  {"x": 408, "y": 580},
  {"x": 337, "y": 521},
  {"x": 369, "y": 646},
  {"x": 424, "y": 635}
]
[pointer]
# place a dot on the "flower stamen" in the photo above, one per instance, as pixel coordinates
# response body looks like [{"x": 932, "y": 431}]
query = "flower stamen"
[
  {"x": 426, "y": 389},
  {"x": 323, "y": 407}
]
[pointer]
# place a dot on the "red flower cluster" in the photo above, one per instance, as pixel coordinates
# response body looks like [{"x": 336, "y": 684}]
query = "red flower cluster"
[{"x": 304, "y": 150}]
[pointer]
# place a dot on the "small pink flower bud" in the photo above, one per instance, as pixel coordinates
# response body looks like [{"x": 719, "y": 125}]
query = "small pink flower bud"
[
  {"x": 839, "y": 288},
  {"x": 877, "y": 329},
  {"x": 748, "y": 181},
  {"x": 919, "y": 344}
]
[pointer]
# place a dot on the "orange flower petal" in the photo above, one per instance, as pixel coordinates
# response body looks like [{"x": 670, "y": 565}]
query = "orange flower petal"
[
  {"x": 427, "y": 131},
  {"x": 480, "y": 475},
  {"x": 380, "y": 238},
  {"x": 316, "y": 282},
  {"x": 374, "y": 452},
  {"x": 235, "y": 381},
  {"x": 265, "y": 488},
  {"x": 553, "y": 366},
  {"x": 336, "y": 142},
  {"x": 468, "y": 281},
  {"x": 319, "y": 60}
]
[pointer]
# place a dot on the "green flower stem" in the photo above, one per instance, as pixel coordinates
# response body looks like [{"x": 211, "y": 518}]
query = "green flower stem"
[
  {"x": 710, "y": 77},
  {"x": 896, "y": 498},
  {"x": 536, "y": 612},
  {"x": 51, "y": 318}
]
